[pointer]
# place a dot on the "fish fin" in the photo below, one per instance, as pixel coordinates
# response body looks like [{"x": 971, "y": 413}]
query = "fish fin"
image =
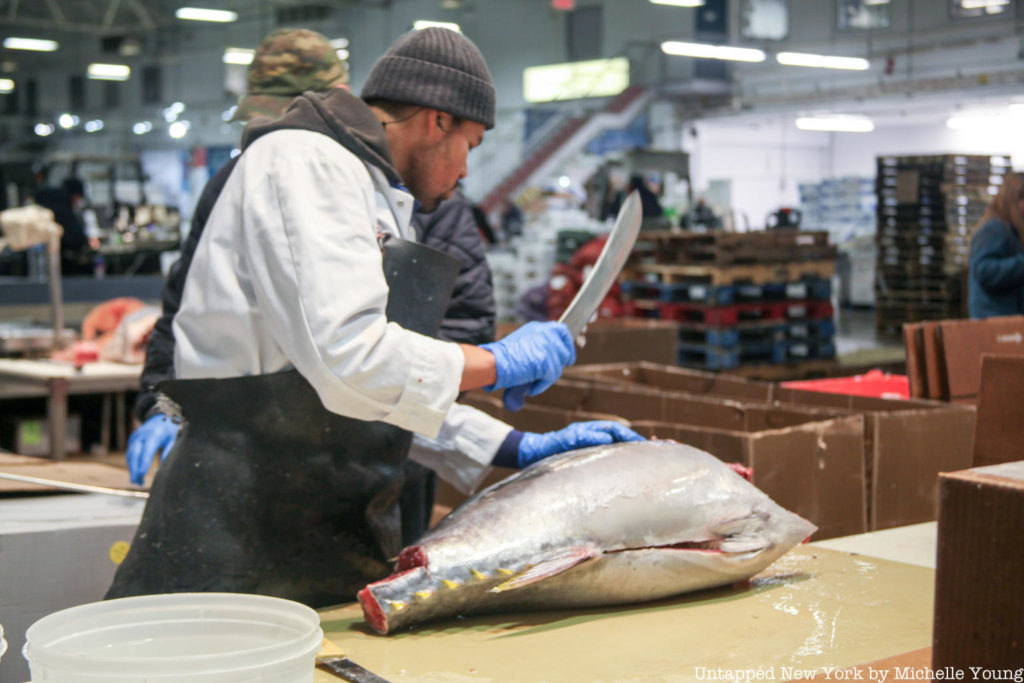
[{"x": 550, "y": 566}]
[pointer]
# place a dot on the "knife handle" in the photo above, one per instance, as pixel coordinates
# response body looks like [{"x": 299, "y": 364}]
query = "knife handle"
[{"x": 514, "y": 398}]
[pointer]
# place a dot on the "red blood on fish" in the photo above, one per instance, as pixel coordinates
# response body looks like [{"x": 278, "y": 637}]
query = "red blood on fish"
[{"x": 742, "y": 470}]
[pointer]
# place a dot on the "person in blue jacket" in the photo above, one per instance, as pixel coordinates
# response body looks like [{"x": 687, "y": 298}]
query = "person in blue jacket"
[{"x": 996, "y": 266}]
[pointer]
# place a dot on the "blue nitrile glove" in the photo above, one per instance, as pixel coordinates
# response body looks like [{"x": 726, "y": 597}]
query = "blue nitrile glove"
[
  {"x": 533, "y": 356},
  {"x": 536, "y": 447},
  {"x": 155, "y": 434}
]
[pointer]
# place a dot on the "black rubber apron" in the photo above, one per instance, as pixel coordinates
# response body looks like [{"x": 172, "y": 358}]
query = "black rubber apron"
[{"x": 268, "y": 492}]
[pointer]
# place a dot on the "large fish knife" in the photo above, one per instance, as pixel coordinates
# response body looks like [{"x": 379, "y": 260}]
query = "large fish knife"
[
  {"x": 601, "y": 278},
  {"x": 333, "y": 659}
]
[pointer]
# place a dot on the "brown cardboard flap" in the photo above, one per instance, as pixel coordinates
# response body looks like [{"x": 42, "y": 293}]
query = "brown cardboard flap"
[
  {"x": 933, "y": 364},
  {"x": 639, "y": 402},
  {"x": 964, "y": 341},
  {"x": 909, "y": 450},
  {"x": 675, "y": 379},
  {"x": 623, "y": 340},
  {"x": 978, "y": 589},
  {"x": 999, "y": 433},
  {"x": 913, "y": 343}
]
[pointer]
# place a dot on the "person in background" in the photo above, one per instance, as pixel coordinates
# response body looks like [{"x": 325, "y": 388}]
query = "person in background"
[
  {"x": 75, "y": 188},
  {"x": 75, "y": 254},
  {"x": 512, "y": 220},
  {"x": 996, "y": 263},
  {"x": 653, "y": 215},
  {"x": 300, "y": 389}
]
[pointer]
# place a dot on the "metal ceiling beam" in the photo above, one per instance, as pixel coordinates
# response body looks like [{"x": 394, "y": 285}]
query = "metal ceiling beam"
[
  {"x": 145, "y": 18},
  {"x": 108, "y": 16},
  {"x": 56, "y": 12},
  {"x": 97, "y": 29}
]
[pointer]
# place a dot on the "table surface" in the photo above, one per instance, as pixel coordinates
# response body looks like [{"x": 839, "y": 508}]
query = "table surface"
[
  {"x": 43, "y": 370},
  {"x": 814, "y": 608}
]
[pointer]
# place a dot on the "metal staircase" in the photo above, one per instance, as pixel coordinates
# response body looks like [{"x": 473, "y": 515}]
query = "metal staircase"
[{"x": 566, "y": 140}]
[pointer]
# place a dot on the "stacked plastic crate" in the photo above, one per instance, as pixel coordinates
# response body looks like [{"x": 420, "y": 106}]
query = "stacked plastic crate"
[
  {"x": 741, "y": 299},
  {"x": 927, "y": 209}
]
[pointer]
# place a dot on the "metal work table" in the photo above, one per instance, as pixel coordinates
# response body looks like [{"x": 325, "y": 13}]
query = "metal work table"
[
  {"x": 57, "y": 380},
  {"x": 815, "y": 608}
]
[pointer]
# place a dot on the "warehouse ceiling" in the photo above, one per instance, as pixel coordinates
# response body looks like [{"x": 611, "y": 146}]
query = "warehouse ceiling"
[{"x": 100, "y": 17}]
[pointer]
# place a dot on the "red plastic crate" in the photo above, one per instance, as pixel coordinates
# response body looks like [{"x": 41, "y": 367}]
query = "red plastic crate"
[{"x": 873, "y": 383}]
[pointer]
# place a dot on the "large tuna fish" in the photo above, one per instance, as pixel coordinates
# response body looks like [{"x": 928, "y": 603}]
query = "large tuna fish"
[{"x": 598, "y": 526}]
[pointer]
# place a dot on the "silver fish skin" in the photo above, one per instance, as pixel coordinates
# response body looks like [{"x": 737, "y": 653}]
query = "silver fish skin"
[{"x": 606, "y": 525}]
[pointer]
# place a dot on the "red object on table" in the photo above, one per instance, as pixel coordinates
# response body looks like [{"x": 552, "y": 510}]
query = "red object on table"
[{"x": 873, "y": 383}]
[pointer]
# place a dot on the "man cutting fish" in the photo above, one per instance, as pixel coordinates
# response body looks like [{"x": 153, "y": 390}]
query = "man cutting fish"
[{"x": 304, "y": 350}]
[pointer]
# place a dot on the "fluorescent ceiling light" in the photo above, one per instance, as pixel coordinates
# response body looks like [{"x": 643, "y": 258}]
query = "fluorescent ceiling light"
[
  {"x": 67, "y": 121},
  {"x": 876, "y": 2},
  {"x": 238, "y": 55},
  {"x": 93, "y": 126},
  {"x": 339, "y": 43},
  {"x": 202, "y": 14},
  {"x": 705, "y": 51},
  {"x": 108, "y": 72},
  {"x": 342, "y": 54},
  {"x": 142, "y": 127},
  {"x": 979, "y": 4},
  {"x": 838, "y": 124},
  {"x": 985, "y": 121},
  {"x": 6, "y": 85},
  {"x": 573, "y": 80},
  {"x": 822, "y": 61},
  {"x": 421, "y": 24},
  {"x": 31, "y": 44},
  {"x": 44, "y": 129},
  {"x": 679, "y": 3}
]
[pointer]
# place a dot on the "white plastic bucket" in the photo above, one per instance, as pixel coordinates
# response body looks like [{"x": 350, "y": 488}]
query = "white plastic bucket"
[{"x": 172, "y": 638}]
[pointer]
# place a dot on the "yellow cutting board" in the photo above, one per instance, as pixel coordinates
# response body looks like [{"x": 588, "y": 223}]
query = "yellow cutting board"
[{"x": 814, "y": 608}]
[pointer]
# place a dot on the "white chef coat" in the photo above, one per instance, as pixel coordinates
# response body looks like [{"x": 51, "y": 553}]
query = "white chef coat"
[{"x": 288, "y": 274}]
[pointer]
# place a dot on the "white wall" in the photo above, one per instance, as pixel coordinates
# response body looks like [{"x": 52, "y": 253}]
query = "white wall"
[
  {"x": 763, "y": 161},
  {"x": 854, "y": 154}
]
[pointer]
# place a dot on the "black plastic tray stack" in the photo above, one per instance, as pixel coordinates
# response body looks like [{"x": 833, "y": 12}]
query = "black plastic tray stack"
[{"x": 927, "y": 208}]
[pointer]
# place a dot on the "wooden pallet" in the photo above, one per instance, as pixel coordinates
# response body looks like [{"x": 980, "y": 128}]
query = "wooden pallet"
[
  {"x": 732, "y": 248},
  {"x": 754, "y": 273}
]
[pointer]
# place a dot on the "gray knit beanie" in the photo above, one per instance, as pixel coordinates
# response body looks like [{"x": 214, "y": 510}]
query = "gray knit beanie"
[{"x": 435, "y": 68}]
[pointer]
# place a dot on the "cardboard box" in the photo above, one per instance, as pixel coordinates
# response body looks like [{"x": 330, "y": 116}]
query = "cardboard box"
[
  {"x": 813, "y": 469},
  {"x": 964, "y": 341},
  {"x": 906, "y": 443},
  {"x": 979, "y": 587},
  {"x": 624, "y": 340},
  {"x": 999, "y": 435}
]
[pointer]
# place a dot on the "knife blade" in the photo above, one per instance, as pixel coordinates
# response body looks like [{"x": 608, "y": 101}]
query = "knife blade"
[
  {"x": 607, "y": 268},
  {"x": 334, "y": 659},
  {"x": 600, "y": 279},
  {"x": 346, "y": 669}
]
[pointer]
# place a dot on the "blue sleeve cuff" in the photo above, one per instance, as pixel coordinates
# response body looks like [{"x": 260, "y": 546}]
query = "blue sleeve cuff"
[{"x": 508, "y": 453}]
